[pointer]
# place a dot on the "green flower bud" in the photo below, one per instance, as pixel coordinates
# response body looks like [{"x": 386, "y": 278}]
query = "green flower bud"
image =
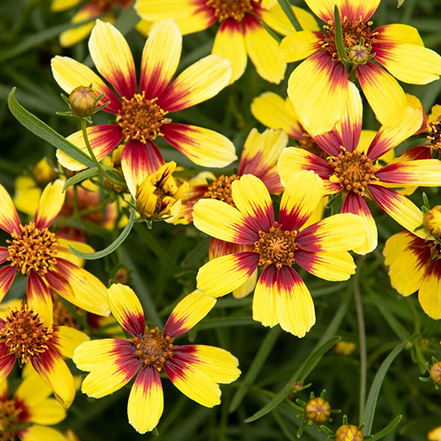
[
  {"x": 82, "y": 101},
  {"x": 317, "y": 410}
]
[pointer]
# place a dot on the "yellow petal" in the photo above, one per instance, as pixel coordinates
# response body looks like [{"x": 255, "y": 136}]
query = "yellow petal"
[
  {"x": 38, "y": 433},
  {"x": 47, "y": 412},
  {"x": 246, "y": 288},
  {"x": 27, "y": 195},
  {"x": 75, "y": 35},
  {"x": 430, "y": 291},
  {"x": 300, "y": 45},
  {"x": 50, "y": 204},
  {"x": 398, "y": 33},
  {"x": 62, "y": 5},
  {"x": 69, "y": 339},
  {"x": 324, "y": 8}
]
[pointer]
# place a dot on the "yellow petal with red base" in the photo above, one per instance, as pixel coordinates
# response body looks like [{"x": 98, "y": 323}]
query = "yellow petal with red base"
[
  {"x": 146, "y": 401},
  {"x": 33, "y": 390},
  {"x": 75, "y": 35},
  {"x": 384, "y": 94},
  {"x": 264, "y": 298},
  {"x": 253, "y": 200},
  {"x": 69, "y": 74},
  {"x": 263, "y": 50},
  {"x": 7, "y": 361},
  {"x": 64, "y": 252},
  {"x": 318, "y": 89},
  {"x": 299, "y": 200},
  {"x": 38, "y": 433},
  {"x": 192, "y": 382},
  {"x": 340, "y": 232},
  {"x": 54, "y": 372},
  {"x": 112, "y": 57},
  {"x": 188, "y": 313},
  {"x": 422, "y": 172},
  {"x": 199, "y": 82},
  {"x": 226, "y": 273},
  {"x": 50, "y": 204},
  {"x": 47, "y": 412},
  {"x": 126, "y": 308},
  {"x": 217, "y": 364},
  {"x": 202, "y": 146},
  {"x": 230, "y": 44},
  {"x": 410, "y": 63},
  {"x": 324, "y": 9},
  {"x": 429, "y": 294},
  {"x": 276, "y": 113},
  {"x": 408, "y": 257},
  {"x": 7, "y": 276},
  {"x": 160, "y": 58},
  {"x": 398, "y": 33},
  {"x": 222, "y": 221},
  {"x": 68, "y": 339},
  {"x": 356, "y": 10},
  {"x": 300, "y": 45},
  {"x": 39, "y": 297},
  {"x": 9, "y": 220}
]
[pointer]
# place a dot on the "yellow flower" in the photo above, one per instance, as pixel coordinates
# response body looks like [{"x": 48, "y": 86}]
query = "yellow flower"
[
  {"x": 196, "y": 370},
  {"x": 434, "y": 434}
]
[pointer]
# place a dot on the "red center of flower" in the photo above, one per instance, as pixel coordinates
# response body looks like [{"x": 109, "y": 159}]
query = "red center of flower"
[
  {"x": 24, "y": 334},
  {"x": 354, "y": 171},
  {"x": 276, "y": 247},
  {"x": 220, "y": 189},
  {"x": 34, "y": 250},
  {"x": 140, "y": 119},
  {"x": 9, "y": 418},
  {"x": 153, "y": 348},
  {"x": 353, "y": 32},
  {"x": 235, "y": 9},
  {"x": 434, "y": 135}
]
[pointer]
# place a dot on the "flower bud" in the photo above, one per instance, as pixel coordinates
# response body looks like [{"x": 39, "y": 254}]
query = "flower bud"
[
  {"x": 432, "y": 221},
  {"x": 43, "y": 173},
  {"x": 82, "y": 101},
  {"x": 435, "y": 373},
  {"x": 359, "y": 54},
  {"x": 122, "y": 276},
  {"x": 344, "y": 348},
  {"x": 348, "y": 433},
  {"x": 317, "y": 410}
]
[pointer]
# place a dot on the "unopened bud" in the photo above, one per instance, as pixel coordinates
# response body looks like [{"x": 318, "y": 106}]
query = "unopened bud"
[
  {"x": 43, "y": 173},
  {"x": 317, "y": 410},
  {"x": 344, "y": 348},
  {"x": 348, "y": 433},
  {"x": 122, "y": 276},
  {"x": 82, "y": 101},
  {"x": 435, "y": 373},
  {"x": 359, "y": 54},
  {"x": 432, "y": 221}
]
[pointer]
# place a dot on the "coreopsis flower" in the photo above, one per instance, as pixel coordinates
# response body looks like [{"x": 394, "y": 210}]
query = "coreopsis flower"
[
  {"x": 37, "y": 253},
  {"x": 195, "y": 370},
  {"x": 29, "y": 406},
  {"x": 89, "y": 10},
  {"x": 240, "y": 34},
  {"x": 357, "y": 173},
  {"x": 280, "y": 296},
  {"x": 27, "y": 336},
  {"x": 414, "y": 258},
  {"x": 318, "y": 87},
  {"x": 141, "y": 115}
]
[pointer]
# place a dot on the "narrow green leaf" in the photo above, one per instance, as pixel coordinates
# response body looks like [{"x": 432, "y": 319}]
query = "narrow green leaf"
[
  {"x": 257, "y": 364},
  {"x": 287, "y": 431},
  {"x": 112, "y": 247},
  {"x": 287, "y": 9},
  {"x": 226, "y": 322},
  {"x": 80, "y": 177},
  {"x": 388, "y": 429},
  {"x": 43, "y": 131},
  {"x": 339, "y": 37},
  {"x": 299, "y": 376},
  {"x": 270, "y": 31}
]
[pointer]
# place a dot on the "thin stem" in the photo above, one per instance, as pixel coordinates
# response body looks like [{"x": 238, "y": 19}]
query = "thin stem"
[
  {"x": 338, "y": 35},
  {"x": 93, "y": 157},
  {"x": 287, "y": 9},
  {"x": 362, "y": 338},
  {"x": 270, "y": 31}
]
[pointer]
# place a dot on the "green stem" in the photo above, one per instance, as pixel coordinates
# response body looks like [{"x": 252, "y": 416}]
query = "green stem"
[
  {"x": 362, "y": 338},
  {"x": 270, "y": 31},
  {"x": 93, "y": 157},
  {"x": 338, "y": 35},
  {"x": 287, "y": 9}
]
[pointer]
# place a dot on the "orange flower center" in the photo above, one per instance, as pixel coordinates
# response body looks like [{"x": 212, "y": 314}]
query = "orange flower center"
[
  {"x": 220, "y": 189},
  {"x": 235, "y": 9},
  {"x": 153, "y": 348},
  {"x": 9, "y": 418},
  {"x": 354, "y": 171},
  {"x": 24, "y": 334},
  {"x": 352, "y": 32},
  {"x": 276, "y": 247},
  {"x": 34, "y": 250},
  {"x": 140, "y": 119},
  {"x": 434, "y": 135},
  {"x": 308, "y": 144}
]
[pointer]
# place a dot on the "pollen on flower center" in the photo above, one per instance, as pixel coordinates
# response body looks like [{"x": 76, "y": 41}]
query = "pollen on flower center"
[
  {"x": 235, "y": 9},
  {"x": 220, "y": 189},
  {"x": 354, "y": 171},
  {"x": 353, "y": 32},
  {"x": 276, "y": 247},
  {"x": 34, "y": 250},
  {"x": 9, "y": 418},
  {"x": 140, "y": 119},
  {"x": 153, "y": 348},
  {"x": 24, "y": 334},
  {"x": 434, "y": 136}
]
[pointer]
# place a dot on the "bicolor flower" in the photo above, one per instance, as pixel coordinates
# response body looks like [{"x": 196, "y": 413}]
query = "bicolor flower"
[
  {"x": 280, "y": 296},
  {"x": 142, "y": 114},
  {"x": 354, "y": 168},
  {"x": 195, "y": 370},
  {"x": 414, "y": 259},
  {"x": 240, "y": 34},
  {"x": 37, "y": 253},
  {"x": 29, "y": 406},
  {"x": 27, "y": 336},
  {"x": 89, "y": 10},
  {"x": 318, "y": 87}
]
